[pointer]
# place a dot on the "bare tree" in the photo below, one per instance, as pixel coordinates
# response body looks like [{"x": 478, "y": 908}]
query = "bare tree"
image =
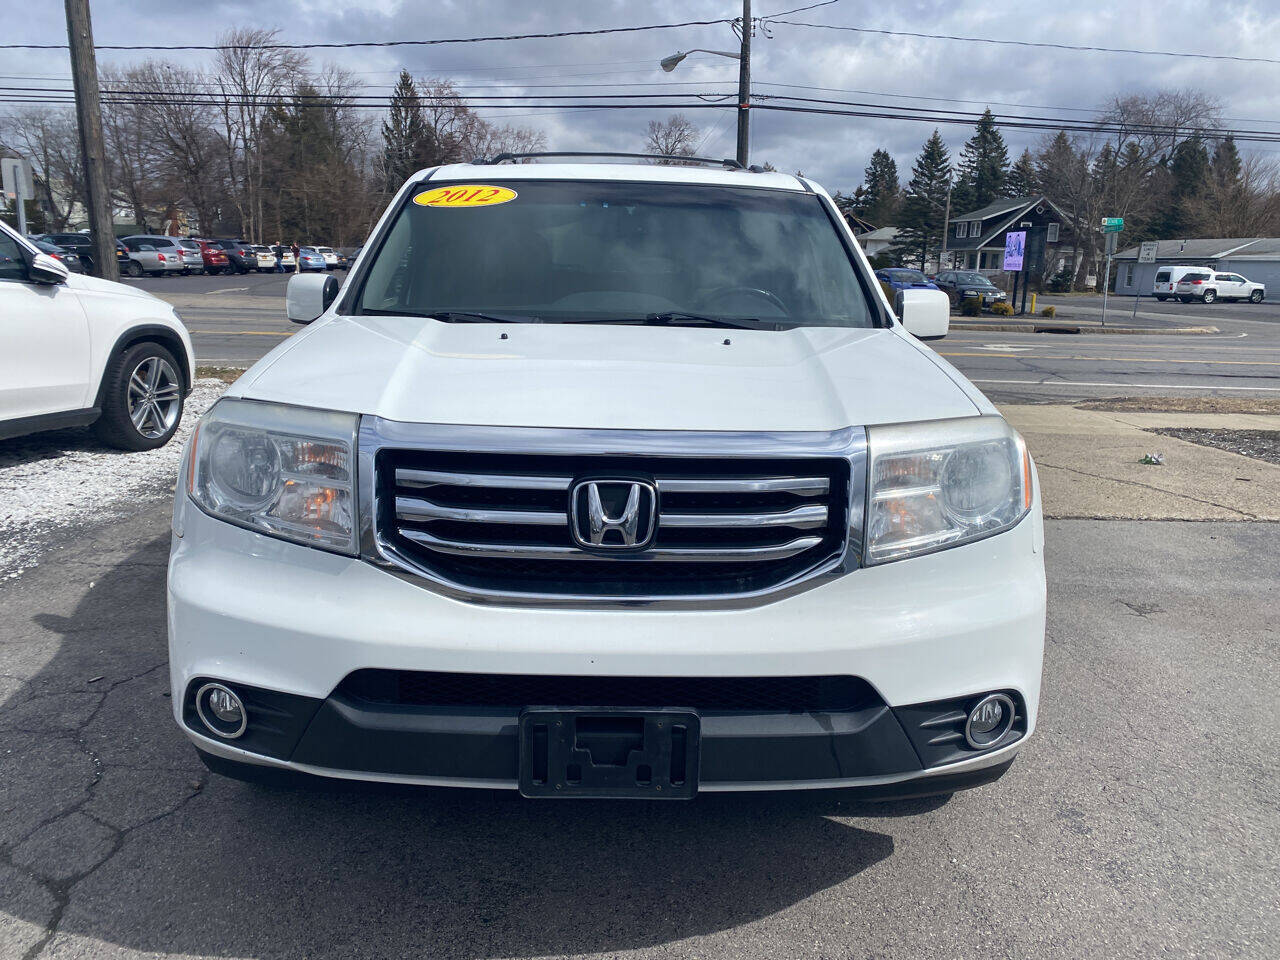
[
  {"x": 183, "y": 125},
  {"x": 49, "y": 139},
  {"x": 252, "y": 77},
  {"x": 131, "y": 151},
  {"x": 1248, "y": 206},
  {"x": 674, "y": 137}
]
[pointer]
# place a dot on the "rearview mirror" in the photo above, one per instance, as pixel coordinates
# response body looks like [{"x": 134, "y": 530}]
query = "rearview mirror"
[
  {"x": 308, "y": 296},
  {"x": 924, "y": 313},
  {"x": 45, "y": 269}
]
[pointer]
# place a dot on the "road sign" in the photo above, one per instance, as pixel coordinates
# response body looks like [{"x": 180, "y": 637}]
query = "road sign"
[
  {"x": 1015, "y": 245},
  {"x": 1147, "y": 252},
  {"x": 16, "y": 175},
  {"x": 15, "y": 179},
  {"x": 1112, "y": 224},
  {"x": 1112, "y": 244}
]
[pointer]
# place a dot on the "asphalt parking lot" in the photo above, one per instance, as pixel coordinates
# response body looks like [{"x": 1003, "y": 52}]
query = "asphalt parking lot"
[{"x": 1139, "y": 822}]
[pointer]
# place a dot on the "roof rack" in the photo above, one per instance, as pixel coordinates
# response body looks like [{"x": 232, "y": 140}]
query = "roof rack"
[{"x": 727, "y": 163}]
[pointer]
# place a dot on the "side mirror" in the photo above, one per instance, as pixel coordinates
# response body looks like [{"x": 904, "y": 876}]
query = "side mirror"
[
  {"x": 925, "y": 313},
  {"x": 45, "y": 269},
  {"x": 308, "y": 296}
]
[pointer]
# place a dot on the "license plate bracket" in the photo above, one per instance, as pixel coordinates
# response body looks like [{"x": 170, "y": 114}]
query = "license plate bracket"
[{"x": 609, "y": 752}]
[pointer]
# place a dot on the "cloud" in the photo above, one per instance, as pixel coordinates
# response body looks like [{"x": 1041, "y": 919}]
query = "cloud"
[{"x": 887, "y": 70}]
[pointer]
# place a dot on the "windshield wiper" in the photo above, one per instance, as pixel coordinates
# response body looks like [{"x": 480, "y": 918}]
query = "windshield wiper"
[
  {"x": 679, "y": 319},
  {"x": 453, "y": 316},
  {"x": 470, "y": 316}
]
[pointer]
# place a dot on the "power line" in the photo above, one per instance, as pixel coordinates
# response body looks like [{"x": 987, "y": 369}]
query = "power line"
[
  {"x": 785, "y": 13},
  {"x": 1031, "y": 43},
  {"x": 371, "y": 43}
]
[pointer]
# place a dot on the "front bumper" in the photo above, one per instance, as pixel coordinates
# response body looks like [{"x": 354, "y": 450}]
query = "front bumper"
[{"x": 287, "y": 625}]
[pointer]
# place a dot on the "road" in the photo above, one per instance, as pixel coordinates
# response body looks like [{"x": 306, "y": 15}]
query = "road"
[
  {"x": 1140, "y": 821},
  {"x": 235, "y": 320}
]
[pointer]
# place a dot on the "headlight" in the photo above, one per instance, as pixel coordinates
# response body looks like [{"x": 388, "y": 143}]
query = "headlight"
[
  {"x": 938, "y": 484},
  {"x": 284, "y": 471}
]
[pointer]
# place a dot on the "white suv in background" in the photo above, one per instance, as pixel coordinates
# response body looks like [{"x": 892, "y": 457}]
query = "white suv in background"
[
  {"x": 77, "y": 350},
  {"x": 1210, "y": 285},
  {"x": 609, "y": 480}
]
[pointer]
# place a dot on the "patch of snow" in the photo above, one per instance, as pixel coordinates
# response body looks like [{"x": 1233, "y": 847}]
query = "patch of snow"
[{"x": 62, "y": 479}]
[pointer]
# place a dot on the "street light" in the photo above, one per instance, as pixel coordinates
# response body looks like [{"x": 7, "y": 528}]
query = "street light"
[
  {"x": 673, "y": 61},
  {"x": 744, "y": 78}
]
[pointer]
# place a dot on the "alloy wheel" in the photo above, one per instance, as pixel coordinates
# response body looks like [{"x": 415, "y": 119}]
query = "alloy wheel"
[{"x": 154, "y": 397}]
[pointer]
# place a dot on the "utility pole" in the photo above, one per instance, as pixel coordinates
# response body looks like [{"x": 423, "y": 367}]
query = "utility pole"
[
  {"x": 744, "y": 86},
  {"x": 93, "y": 155},
  {"x": 946, "y": 229}
]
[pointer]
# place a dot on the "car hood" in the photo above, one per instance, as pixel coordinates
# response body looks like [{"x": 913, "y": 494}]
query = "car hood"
[
  {"x": 88, "y": 284},
  {"x": 610, "y": 376}
]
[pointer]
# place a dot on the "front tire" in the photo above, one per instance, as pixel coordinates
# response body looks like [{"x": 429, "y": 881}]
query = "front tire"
[
  {"x": 1256, "y": 296},
  {"x": 134, "y": 269},
  {"x": 142, "y": 399}
]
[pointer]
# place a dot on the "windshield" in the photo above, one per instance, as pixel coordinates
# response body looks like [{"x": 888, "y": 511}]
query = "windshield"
[
  {"x": 608, "y": 251},
  {"x": 972, "y": 278},
  {"x": 906, "y": 276}
]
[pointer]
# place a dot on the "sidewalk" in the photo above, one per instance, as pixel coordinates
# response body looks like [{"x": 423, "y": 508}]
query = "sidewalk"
[{"x": 1088, "y": 463}]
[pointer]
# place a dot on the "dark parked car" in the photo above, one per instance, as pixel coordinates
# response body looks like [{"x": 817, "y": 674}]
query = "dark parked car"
[
  {"x": 240, "y": 257},
  {"x": 347, "y": 258},
  {"x": 900, "y": 278},
  {"x": 964, "y": 284},
  {"x": 79, "y": 243},
  {"x": 65, "y": 254}
]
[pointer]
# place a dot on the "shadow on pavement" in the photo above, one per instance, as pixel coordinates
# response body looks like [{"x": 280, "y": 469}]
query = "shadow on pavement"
[{"x": 108, "y": 812}]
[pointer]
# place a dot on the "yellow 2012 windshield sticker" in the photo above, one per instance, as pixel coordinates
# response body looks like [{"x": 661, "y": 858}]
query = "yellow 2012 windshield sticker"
[{"x": 465, "y": 195}]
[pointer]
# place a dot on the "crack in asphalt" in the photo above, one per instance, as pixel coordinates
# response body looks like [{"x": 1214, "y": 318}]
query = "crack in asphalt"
[
  {"x": 60, "y": 890},
  {"x": 1146, "y": 486}
]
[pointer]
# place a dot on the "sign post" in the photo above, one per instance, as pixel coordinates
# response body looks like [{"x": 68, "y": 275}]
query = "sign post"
[
  {"x": 16, "y": 174},
  {"x": 1146, "y": 254},
  {"x": 1111, "y": 227},
  {"x": 1015, "y": 248}
]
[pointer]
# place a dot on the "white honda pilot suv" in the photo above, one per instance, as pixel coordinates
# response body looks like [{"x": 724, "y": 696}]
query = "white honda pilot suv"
[{"x": 608, "y": 480}]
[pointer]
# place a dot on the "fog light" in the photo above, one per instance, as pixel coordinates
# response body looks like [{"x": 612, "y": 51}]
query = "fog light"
[
  {"x": 221, "y": 710},
  {"x": 989, "y": 721}
]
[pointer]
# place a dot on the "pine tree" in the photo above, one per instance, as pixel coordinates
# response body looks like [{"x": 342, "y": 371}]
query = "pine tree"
[
  {"x": 921, "y": 219},
  {"x": 883, "y": 193},
  {"x": 983, "y": 166},
  {"x": 1225, "y": 165},
  {"x": 407, "y": 138},
  {"x": 1022, "y": 181},
  {"x": 1189, "y": 172},
  {"x": 1058, "y": 167}
]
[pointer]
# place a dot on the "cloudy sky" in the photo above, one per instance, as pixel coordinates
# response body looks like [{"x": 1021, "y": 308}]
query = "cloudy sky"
[{"x": 862, "y": 67}]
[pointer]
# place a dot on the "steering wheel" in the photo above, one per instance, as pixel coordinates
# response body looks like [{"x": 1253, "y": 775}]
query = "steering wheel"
[{"x": 721, "y": 292}]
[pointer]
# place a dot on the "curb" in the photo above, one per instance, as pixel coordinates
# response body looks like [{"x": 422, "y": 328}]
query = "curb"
[{"x": 1077, "y": 328}]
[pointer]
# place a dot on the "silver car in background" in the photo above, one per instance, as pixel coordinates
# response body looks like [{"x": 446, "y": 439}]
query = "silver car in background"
[
  {"x": 167, "y": 253},
  {"x": 145, "y": 257},
  {"x": 191, "y": 257}
]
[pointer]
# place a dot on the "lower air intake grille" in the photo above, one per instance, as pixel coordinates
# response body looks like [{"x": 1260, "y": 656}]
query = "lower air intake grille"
[{"x": 741, "y": 694}]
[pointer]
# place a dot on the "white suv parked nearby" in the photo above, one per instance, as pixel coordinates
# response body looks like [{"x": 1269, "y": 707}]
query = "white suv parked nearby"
[
  {"x": 601, "y": 480},
  {"x": 1210, "y": 285},
  {"x": 77, "y": 350}
]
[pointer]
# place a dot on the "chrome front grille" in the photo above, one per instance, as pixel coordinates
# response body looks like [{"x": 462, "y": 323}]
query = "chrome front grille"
[
  {"x": 787, "y": 517},
  {"x": 491, "y": 518}
]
